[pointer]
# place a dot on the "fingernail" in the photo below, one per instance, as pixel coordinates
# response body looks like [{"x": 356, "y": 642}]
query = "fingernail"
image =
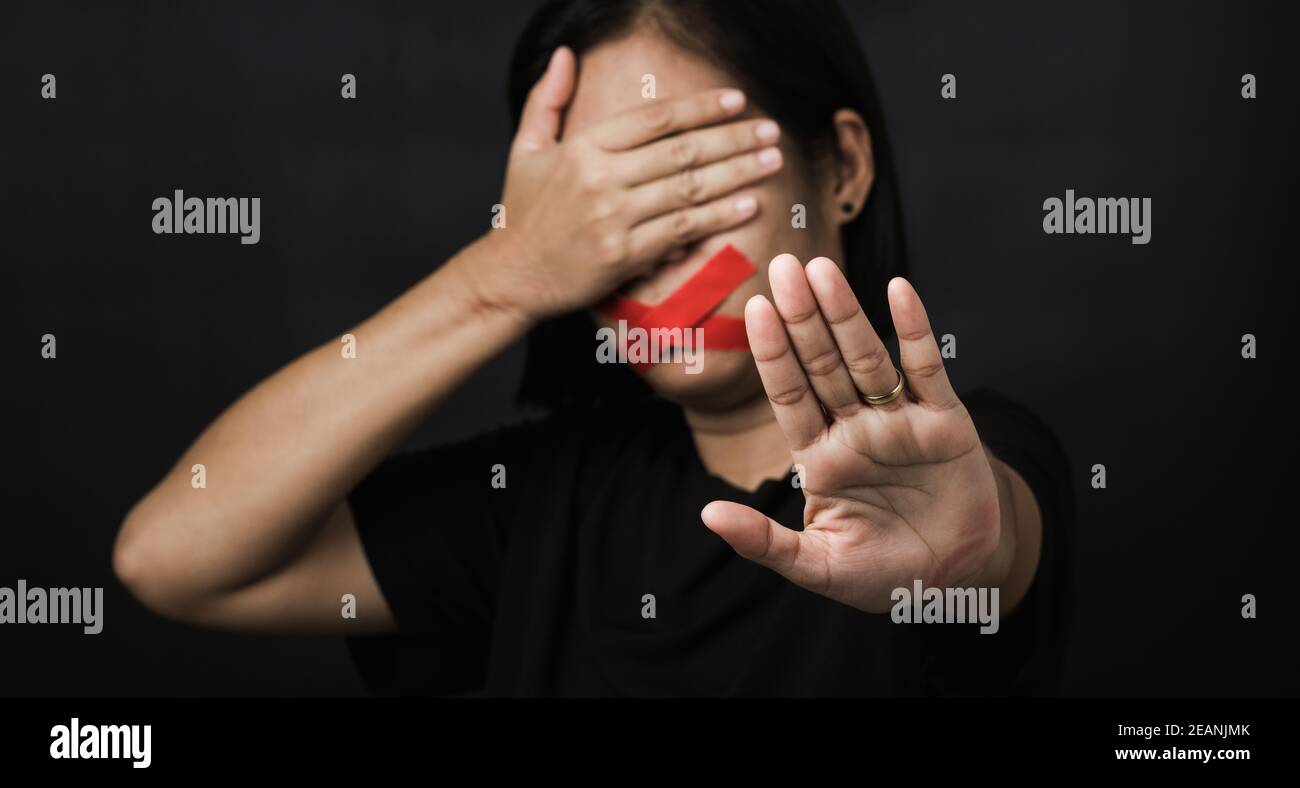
[
  {"x": 767, "y": 131},
  {"x": 732, "y": 100},
  {"x": 769, "y": 158},
  {"x": 746, "y": 204}
]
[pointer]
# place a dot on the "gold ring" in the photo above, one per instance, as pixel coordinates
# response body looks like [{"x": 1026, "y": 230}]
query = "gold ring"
[{"x": 885, "y": 399}]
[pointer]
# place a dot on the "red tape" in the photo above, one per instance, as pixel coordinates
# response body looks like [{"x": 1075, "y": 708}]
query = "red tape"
[{"x": 691, "y": 304}]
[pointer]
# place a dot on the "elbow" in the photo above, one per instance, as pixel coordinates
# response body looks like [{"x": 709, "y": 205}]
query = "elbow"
[
  {"x": 129, "y": 564},
  {"x": 143, "y": 567}
]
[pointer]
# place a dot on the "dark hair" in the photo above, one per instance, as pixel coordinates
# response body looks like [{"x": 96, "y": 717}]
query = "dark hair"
[{"x": 799, "y": 61}]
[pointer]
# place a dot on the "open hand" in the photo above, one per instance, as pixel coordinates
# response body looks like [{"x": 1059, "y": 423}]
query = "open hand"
[
  {"x": 603, "y": 205},
  {"x": 894, "y": 492}
]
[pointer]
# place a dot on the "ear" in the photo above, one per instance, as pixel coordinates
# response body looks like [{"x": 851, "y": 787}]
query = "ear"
[{"x": 855, "y": 167}]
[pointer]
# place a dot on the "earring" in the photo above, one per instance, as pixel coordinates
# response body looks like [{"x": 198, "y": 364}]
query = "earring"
[{"x": 847, "y": 207}]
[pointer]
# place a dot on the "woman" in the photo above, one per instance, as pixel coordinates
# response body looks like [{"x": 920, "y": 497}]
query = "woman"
[{"x": 567, "y": 555}]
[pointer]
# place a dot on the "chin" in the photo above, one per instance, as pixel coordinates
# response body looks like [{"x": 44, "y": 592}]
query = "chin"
[{"x": 718, "y": 379}]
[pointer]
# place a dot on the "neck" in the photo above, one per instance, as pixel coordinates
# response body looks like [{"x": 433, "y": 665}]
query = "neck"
[{"x": 744, "y": 445}]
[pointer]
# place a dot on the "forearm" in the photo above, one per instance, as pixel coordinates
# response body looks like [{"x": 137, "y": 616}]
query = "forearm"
[{"x": 279, "y": 459}]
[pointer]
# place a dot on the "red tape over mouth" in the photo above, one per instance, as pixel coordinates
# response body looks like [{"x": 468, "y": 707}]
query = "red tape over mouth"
[{"x": 690, "y": 305}]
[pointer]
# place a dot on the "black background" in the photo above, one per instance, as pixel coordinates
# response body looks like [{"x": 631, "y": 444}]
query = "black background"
[{"x": 1131, "y": 352}]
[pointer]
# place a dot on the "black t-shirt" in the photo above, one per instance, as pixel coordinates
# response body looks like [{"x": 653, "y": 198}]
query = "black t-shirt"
[{"x": 538, "y": 587}]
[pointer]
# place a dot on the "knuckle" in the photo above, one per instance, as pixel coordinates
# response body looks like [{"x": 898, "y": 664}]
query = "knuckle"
[
  {"x": 657, "y": 117},
  {"x": 683, "y": 224},
  {"x": 612, "y": 247},
  {"x": 823, "y": 363},
  {"x": 683, "y": 152},
  {"x": 689, "y": 186},
  {"x": 604, "y": 209},
  {"x": 788, "y": 396},
  {"x": 869, "y": 362},
  {"x": 594, "y": 179},
  {"x": 793, "y": 317},
  {"x": 926, "y": 369}
]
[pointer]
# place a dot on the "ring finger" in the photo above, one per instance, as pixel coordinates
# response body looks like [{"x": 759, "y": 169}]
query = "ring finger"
[{"x": 864, "y": 354}]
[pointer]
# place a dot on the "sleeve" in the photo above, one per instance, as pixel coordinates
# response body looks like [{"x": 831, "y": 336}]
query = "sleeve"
[
  {"x": 1026, "y": 656},
  {"x": 434, "y": 526}
]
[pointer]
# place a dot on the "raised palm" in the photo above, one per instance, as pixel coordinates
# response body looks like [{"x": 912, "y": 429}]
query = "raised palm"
[{"x": 894, "y": 492}]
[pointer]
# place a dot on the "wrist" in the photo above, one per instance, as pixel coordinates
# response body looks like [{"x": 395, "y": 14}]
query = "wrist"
[
  {"x": 1014, "y": 562},
  {"x": 995, "y": 570},
  {"x": 484, "y": 269}
]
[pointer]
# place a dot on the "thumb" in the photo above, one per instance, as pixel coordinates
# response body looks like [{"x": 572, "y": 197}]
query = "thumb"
[
  {"x": 539, "y": 125},
  {"x": 794, "y": 555}
]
